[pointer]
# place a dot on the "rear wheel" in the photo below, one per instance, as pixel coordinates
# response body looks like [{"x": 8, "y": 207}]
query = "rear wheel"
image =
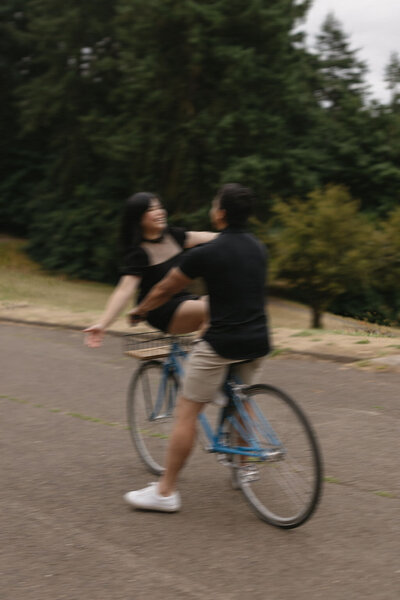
[
  {"x": 150, "y": 405},
  {"x": 284, "y": 486}
]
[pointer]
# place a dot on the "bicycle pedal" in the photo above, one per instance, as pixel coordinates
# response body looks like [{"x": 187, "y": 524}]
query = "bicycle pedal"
[
  {"x": 224, "y": 460},
  {"x": 274, "y": 455},
  {"x": 248, "y": 474}
]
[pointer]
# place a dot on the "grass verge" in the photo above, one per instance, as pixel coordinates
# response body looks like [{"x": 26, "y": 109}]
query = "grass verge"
[{"x": 24, "y": 283}]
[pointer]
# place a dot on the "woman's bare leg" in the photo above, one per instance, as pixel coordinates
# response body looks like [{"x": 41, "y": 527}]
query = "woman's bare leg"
[{"x": 191, "y": 315}]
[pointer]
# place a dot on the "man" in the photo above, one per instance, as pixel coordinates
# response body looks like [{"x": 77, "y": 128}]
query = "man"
[{"x": 234, "y": 268}]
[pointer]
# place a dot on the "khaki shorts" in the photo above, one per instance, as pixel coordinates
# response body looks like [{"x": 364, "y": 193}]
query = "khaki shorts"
[{"x": 205, "y": 372}]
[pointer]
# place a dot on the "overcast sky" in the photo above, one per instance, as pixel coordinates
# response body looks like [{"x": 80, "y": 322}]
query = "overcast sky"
[{"x": 373, "y": 26}]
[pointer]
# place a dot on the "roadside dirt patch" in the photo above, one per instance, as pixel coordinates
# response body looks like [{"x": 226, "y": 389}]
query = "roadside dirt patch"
[{"x": 348, "y": 347}]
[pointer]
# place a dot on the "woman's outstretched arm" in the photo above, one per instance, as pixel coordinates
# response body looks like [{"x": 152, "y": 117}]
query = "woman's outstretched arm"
[
  {"x": 121, "y": 295},
  {"x": 194, "y": 238}
]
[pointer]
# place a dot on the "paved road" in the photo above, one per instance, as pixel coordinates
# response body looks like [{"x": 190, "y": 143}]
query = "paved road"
[{"x": 67, "y": 460}]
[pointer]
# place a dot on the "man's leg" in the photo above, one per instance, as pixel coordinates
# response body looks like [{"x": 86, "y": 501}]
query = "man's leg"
[
  {"x": 204, "y": 374},
  {"x": 163, "y": 496},
  {"x": 181, "y": 443}
]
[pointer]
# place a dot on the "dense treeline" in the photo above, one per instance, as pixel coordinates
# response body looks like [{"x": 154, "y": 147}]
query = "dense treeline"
[{"x": 102, "y": 99}]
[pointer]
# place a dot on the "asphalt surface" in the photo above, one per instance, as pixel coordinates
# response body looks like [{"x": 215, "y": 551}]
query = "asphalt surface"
[{"x": 67, "y": 459}]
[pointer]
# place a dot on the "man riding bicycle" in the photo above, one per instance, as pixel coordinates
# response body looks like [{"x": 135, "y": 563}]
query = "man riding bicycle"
[{"x": 233, "y": 267}]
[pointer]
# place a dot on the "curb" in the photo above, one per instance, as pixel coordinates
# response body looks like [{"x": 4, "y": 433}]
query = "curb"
[
  {"x": 321, "y": 356},
  {"x": 317, "y": 355},
  {"x": 112, "y": 332}
]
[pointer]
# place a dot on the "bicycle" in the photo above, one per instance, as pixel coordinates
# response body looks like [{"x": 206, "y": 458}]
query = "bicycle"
[{"x": 261, "y": 434}]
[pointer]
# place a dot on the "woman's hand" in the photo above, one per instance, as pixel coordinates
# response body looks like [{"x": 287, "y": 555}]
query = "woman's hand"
[{"x": 94, "y": 336}]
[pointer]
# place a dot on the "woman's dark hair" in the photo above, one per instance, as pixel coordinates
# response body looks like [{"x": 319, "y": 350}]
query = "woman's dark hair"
[
  {"x": 237, "y": 201},
  {"x": 135, "y": 208}
]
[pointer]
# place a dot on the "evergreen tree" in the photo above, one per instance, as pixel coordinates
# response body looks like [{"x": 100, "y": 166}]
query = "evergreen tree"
[
  {"x": 63, "y": 104},
  {"x": 214, "y": 91},
  {"x": 342, "y": 72},
  {"x": 341, "y": 91},
  {"x": 174, "y": 97},
  {"x": 355, "y": 133},
  {"x": 19, "y": 167},
  {"x": 392, "y": 78}
]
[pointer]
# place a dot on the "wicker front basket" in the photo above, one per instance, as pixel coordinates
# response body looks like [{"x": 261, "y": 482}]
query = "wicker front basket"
[{"x": 153, "y": 344}]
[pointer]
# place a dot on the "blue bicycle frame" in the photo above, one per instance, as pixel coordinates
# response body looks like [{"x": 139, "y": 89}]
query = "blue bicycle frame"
[
  {"x": 172, "y": 364},
  {"x": 234, "y": 413}
]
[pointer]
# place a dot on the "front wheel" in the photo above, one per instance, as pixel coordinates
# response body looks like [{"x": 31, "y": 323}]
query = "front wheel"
[
  {"x": 150, "y": 405},
  {"x": 283, "y": 484}
]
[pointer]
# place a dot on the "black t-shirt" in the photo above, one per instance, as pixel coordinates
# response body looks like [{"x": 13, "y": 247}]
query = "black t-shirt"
[
  {"x": 152, "y": 259},
  {"x": 234, "y": 268}
]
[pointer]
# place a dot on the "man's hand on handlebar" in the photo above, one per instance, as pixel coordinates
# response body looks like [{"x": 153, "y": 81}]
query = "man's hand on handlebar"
[{"x": 134, "y": 317}]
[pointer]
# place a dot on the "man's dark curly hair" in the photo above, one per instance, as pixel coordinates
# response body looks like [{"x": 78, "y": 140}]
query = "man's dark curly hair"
[{"x": 237, "y": 201}]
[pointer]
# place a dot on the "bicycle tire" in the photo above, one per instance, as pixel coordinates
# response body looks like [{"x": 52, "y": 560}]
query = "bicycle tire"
[
  {"x": 285, "y": 492},
  {"x": 150, "y": 432}
]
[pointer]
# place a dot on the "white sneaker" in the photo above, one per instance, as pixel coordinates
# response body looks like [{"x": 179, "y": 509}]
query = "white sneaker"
[{"x": 149, "y": 499}]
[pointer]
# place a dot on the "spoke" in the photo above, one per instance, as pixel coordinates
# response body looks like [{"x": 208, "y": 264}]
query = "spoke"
[{"x": 284, "y": 491}]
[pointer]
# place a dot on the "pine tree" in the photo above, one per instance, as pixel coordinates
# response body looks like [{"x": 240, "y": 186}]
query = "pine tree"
[
  {"x": 342, "y": 72},
  {"x": 351, "y": 131},
  {"x": 176, "y": 97},
  {"x": 19, "y": 167},
  {"x": 62, "y": 104},
  {"x": 214, "y": 91},
  {"x": 392, "y": 78}
]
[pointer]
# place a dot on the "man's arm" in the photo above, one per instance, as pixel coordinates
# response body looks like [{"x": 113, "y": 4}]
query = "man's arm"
[{"x": 174, "y": 282}]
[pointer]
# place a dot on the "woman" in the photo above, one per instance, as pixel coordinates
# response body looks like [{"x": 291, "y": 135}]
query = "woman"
[{"x": 151, "y": 249}]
